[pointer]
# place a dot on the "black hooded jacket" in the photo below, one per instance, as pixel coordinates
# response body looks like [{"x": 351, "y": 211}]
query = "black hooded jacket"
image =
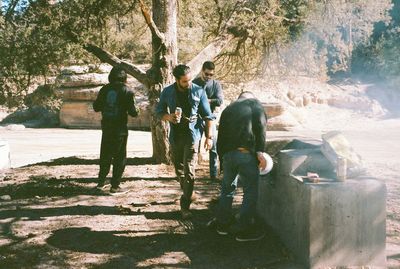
[
  {"x": 115, "y": 101},
  {"x": 242, "y": 124}
]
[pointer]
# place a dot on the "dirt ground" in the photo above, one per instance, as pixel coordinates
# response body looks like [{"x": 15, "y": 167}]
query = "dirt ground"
[
  {"x": 52, "y": 216},
  {"x": 57, "y": 219}
]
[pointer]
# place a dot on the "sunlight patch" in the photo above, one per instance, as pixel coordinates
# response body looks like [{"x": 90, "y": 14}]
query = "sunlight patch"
[{"x": 167, "y": 259}]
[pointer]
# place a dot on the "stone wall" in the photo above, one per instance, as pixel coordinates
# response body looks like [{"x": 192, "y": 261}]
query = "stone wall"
[{"x": 79, "y": 86}]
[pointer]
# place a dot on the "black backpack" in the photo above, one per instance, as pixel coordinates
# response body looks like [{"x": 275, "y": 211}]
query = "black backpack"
[{"x": 111, "y": 106}]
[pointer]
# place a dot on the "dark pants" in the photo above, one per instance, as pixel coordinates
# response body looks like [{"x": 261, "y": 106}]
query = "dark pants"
[
  {"x": 185, "y": 160},
  {"x": 112, "y": 150},
  {"x": 213, "y": 156}
]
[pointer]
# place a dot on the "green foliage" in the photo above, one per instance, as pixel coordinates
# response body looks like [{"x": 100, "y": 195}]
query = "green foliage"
[
  {"x": 28, "y": 48},
  {"x": 380, "y": 56},
  {"x": 45, "y": 96},
  {"x": 273, "y": 37}
]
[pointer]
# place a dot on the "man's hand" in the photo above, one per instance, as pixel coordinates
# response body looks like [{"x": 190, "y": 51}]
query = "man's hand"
[
  {"x": 262, "y": 161},
  {"x": 172, "y": 117},
  {"x": 208, "y": 143}
]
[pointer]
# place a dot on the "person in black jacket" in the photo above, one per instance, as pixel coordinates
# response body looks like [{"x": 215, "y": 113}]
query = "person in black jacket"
[
  {"x": 115, "y": 101},
  {"x": 215, "y": 96},
  {"x": 240, "y": 145}
]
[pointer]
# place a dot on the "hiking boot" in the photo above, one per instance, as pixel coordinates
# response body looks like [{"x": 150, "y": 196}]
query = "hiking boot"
[
  {"x": 250, "y": 235},
  {"x": 117, "y": 190},
  {"x": 186, "y": 214}
]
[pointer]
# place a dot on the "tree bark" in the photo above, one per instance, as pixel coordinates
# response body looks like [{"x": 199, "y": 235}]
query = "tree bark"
[{"x": 165, "y": 57}]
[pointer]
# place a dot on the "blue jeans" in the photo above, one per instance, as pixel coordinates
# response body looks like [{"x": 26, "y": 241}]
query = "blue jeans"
[{"x": 246, "y": 166}]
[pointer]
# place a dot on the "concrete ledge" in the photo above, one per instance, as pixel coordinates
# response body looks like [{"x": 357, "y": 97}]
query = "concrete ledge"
[{"x": 326, "y": 224}]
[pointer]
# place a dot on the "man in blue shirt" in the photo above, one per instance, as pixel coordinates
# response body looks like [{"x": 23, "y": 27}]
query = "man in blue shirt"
[
  {"x": 185, "y": 131},
  {"x": 215, "y": 97}
]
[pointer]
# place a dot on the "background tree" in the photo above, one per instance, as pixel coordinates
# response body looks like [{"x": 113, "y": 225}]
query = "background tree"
[
  {"x": 87, "y": 24},
  {"x": 247, "y": 38},
  {"x": 380, "y": 55}
]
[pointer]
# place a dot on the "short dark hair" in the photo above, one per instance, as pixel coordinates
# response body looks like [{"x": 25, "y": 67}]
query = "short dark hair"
[
  {"x": 180, "y": 70},
  {"x": 208, "y": 65},
  {"x": 117, "y": 74},
  {"x": 246, "y": 95}
]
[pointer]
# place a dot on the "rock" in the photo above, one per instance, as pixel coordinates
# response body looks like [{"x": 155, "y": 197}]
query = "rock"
[
  {"x": 291, "y": 95},
  {"x": 32, "y": 117},
  {"x": 284, "y": 122},
  {"x": 91, "y": 79},
  {"x": 273, "y": 109},
  {"x": 75, "y": 70},
  {"x": 100, "y": 68},
  {"x": 298, "y": 101},
  {"x": 5, "y": 197},
  {"x": 15, "y": 127},
  {"x": 80, "y": 114},
  {"x": 306, "y": 100},
  {"x": 79, "y": 94}
]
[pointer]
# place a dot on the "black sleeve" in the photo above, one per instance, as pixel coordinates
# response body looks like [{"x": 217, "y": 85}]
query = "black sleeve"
[
  {"x": 259, "y": 127},
  {"x": 132, "y": 110},
  {"x": 98, "y": 104},
  {"x": 222, "y": 136}
]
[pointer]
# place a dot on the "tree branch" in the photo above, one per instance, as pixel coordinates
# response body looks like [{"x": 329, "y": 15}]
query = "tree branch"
[
  {"x": 149, "y": 21},
  {"x": 209, "y": 52},
  {"x": 107, "y": 57}
]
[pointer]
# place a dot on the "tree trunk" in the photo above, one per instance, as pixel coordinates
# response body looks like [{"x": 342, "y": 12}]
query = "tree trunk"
[{"x": 165, "y": 57}]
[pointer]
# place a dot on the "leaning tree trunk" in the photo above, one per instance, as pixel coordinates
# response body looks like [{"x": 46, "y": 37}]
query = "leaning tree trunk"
[
  {"x": 163, "y": 27},
  {"x": 165, "y": 57}
]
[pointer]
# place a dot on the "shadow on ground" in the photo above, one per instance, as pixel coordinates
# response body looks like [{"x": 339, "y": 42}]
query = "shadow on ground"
[
  {"x": 146, "y": 228},
  {"x": 198, "y": 247},
  {"x": 87, "y": 161}
]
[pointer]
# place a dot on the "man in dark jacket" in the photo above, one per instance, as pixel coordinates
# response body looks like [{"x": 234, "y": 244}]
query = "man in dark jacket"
[
  {"x": 215, "y": 98},
  {"x": 240, "y": 144},
  {"x": 115, "y": 101}
]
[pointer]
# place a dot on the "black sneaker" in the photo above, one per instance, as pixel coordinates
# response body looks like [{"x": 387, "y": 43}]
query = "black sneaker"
[
  {"x": 117, "y": 190},
  {"x": 250, "y": 235},
  {"x": 101, "y": 184}
]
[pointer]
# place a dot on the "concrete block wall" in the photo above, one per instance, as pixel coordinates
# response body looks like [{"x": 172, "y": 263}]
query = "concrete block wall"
[{"x": 326, "y": 224}]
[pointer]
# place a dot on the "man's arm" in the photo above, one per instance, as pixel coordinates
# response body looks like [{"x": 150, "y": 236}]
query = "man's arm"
[
  {"x": 218, "y": 97},
  {"x": 259, "y": 127},
  {"x": 259, "y": 131},
  {"x": 99, "y": 102},
  {"x": 133, "y": 111},
  {"x": 209, "y": 117}
]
